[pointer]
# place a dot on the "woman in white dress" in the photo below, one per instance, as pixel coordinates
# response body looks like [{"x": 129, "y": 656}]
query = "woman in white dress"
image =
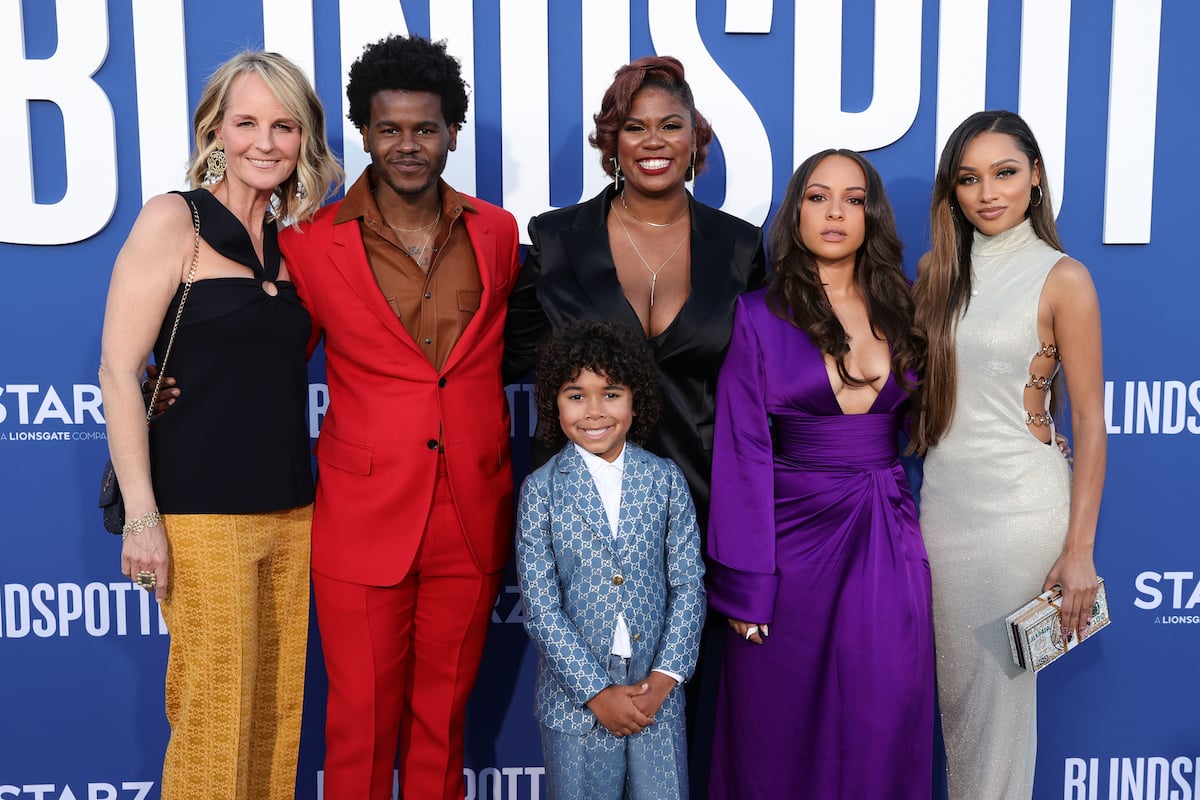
[{"x": 1002, "y": 515}]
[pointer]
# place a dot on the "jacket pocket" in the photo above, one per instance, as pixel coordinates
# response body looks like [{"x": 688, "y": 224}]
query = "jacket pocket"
[{"x": 333, "y": 452}]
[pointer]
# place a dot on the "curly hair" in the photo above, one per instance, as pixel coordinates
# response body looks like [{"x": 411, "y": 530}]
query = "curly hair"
[
  {"x": 410, "y": 64},
  {"x": 650, "y": 72},
  {"x": 797, "y": 295},
  {"x": 606, "y": 349}
]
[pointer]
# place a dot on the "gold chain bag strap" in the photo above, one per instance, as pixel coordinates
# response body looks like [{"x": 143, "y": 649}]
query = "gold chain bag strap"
[{"x": 112, "y": 504}]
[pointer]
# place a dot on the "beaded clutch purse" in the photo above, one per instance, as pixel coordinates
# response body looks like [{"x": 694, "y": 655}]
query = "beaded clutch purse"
[{"x": 1035, "y": 633}]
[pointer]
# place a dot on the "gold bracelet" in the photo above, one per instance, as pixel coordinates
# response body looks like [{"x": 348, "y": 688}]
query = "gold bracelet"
[{"x": 135, "y": 526}]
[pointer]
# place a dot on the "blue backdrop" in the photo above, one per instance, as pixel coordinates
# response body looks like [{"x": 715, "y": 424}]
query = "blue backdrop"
[{"x": 94, "y": 104}]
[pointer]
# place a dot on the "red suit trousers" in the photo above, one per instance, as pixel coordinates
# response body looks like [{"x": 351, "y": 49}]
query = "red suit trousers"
[{"x": 401, "y": 662}]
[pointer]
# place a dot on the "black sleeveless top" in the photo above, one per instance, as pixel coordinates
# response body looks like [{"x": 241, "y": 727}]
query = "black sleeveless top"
[{"x": 236, "y": 441}]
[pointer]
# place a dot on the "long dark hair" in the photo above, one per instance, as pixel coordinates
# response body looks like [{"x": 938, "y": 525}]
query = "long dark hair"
[
  {"x": 795, "y": 292},
  {"x": 943, "y": 289}
]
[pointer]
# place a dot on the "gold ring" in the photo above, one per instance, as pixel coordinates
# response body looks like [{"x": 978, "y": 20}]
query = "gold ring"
[{"x": 147, "y": 580}]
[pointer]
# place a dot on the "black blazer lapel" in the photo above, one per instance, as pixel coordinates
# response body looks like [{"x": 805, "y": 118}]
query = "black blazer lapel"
[
  {"x": 712, "y": 280},
  {"x": 589, "y": 253}
]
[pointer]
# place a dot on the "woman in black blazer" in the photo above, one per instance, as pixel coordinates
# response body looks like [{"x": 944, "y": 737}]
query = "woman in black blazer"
[{"x": 645, "y": 254}]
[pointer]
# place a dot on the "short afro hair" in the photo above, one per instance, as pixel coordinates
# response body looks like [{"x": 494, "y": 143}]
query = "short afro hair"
[
  {"x": 411, "y": 64},
  {"x": 615, "y": 352}
]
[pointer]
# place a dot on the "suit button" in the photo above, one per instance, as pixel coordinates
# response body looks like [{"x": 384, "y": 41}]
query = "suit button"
[
  {"x": 637, "y": 637},
  {"x": 441, "y": 383},
  {"x": 432, "y": 444},
  {"x": 429, "y": 341},
  {"x": 428, "y": 295},
  {"x": 618, "y": 580}
]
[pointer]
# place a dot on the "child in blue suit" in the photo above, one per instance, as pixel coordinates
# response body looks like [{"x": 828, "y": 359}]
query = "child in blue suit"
[{"x": 611, "y": 576}]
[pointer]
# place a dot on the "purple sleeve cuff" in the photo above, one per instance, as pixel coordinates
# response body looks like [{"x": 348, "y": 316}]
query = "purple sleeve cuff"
[{"x": 745, "y": 596}]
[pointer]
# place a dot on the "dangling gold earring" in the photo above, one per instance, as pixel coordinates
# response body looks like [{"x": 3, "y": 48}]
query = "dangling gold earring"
[
  {"x": 1038, "y": 201},
  {"x": 216, "y": 166},
  {"x": 617, "y": 176}
]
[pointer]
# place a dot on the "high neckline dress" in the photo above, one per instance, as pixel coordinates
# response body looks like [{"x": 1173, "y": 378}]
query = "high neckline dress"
[{"x": 994, "y": 509}]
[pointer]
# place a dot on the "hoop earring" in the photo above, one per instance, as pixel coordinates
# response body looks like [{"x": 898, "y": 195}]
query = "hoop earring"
[
  {"x": 617, "y": 175},
  {"x": 1038, "y": 202},
  {"x": 690, "y": 175},
  {"x": 216, "y": 166}
]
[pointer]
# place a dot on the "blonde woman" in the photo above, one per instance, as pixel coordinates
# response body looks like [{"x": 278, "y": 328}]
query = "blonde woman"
[{"x": 219, "y": 495}]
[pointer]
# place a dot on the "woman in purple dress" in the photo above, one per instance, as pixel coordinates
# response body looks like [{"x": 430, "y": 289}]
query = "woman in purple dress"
[{"x": 816, "y": 557}]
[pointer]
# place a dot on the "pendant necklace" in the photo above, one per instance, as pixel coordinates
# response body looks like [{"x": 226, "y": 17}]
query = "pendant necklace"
[{"x": 653, "y": 272}]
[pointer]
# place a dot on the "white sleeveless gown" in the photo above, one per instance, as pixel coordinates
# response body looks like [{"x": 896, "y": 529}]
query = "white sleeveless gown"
[{"x": 994, "y": 512}]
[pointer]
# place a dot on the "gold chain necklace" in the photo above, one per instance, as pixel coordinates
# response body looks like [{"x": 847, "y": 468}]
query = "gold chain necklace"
[
  {"x": 414, "y": 230},
  {"x": 653, "y": 272},
  {"x": 418, "y": 253},
  {"x": 648, "y": 222}
]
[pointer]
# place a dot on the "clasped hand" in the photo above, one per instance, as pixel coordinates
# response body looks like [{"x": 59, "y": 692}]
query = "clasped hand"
[{"x": 626, "y": 709}]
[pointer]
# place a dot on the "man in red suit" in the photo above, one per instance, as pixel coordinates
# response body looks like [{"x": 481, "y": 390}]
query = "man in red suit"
[{"x": 407, "y": 280}]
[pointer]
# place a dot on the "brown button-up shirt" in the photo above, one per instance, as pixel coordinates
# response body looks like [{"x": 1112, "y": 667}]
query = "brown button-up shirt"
[{"x": 434, "y": 307}]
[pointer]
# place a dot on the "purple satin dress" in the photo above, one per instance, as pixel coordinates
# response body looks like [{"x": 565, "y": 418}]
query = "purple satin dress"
[{"x": 813, "y": 529}]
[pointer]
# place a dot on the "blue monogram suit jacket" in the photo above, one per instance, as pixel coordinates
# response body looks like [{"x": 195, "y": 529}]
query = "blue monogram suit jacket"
[{"x": 575, "y": 576}]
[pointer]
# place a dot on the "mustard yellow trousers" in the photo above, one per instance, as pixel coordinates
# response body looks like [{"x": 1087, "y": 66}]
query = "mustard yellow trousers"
[{"x": 237, "y": 611}]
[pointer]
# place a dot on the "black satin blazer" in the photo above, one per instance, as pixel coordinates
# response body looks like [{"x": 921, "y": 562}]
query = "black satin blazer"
[{"x": 569, "y": 275}]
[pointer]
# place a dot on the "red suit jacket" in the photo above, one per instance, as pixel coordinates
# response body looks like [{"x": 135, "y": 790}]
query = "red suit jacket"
[{"x": 388, "y": 406}]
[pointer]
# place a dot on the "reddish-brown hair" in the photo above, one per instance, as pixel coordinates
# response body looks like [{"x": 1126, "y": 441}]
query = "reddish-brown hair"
[{"x": 650, "y": 72}]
